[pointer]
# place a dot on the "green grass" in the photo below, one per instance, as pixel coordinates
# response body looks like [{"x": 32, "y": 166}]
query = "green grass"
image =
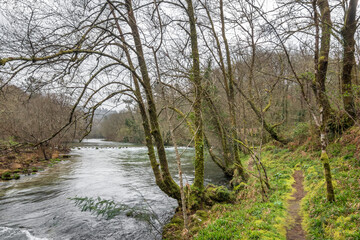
[
  {"x": 252, "y": 218},
  {"x": 339, "y": 220}
]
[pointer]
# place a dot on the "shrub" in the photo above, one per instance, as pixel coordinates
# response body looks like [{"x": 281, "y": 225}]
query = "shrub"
[
  {"x": 301, "y": 131},
  {"x": 16, "y": 176},
  {"x": 6, "y": 176}
]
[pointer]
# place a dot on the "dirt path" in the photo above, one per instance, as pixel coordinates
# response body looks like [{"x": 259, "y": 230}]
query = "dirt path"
[{"x": 295, "y": 231}]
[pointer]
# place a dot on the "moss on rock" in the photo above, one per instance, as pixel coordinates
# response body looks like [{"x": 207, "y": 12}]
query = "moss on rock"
[
  {"x": 6, "y": 176},
  {"x": 194, "y": 198},
  {"x": 218, "y": 194}
]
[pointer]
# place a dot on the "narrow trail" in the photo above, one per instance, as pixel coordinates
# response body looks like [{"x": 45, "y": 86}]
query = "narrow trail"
[{"x": 295, "y": 231}]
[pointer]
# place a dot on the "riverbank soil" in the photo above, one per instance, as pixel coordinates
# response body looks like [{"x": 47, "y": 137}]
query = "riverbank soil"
[
  {"x": 295, "y": 231},
  {"x": 27, "y": 162}
]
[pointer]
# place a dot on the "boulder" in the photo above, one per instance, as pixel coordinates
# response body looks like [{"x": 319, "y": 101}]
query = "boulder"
[
  {"x": 218, "y": 193},
  {"x": 16, "y": 166},
  {"x": 55, "y": 154}
]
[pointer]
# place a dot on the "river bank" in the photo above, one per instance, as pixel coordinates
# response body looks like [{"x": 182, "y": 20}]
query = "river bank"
[
  {"x": 29, "y": 161},
  {"x": 250, "y": 217}
]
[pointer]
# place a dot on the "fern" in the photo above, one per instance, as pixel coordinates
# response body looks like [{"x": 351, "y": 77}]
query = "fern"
[{"x": 110, "y": 209}]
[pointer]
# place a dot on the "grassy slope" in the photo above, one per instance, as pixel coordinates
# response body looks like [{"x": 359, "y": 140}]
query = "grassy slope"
[
  {"x": 254, "y": 219},
  {"x": 339, "y": 220}
]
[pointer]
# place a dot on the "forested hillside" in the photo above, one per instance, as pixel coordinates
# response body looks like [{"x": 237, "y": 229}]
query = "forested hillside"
[
  {"x": 29, "y": 122},
  {"x": 267, "y": 90}
]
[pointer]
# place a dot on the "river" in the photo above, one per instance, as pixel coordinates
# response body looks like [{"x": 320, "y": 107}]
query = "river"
[{"x": 38, "y": 206}]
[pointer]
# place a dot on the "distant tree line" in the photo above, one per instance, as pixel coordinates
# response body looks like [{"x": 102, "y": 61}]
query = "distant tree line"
[{"x": 123, "y": 127}]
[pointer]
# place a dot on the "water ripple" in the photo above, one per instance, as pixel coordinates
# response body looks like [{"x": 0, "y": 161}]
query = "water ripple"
[{"x": 39, "y": 205}]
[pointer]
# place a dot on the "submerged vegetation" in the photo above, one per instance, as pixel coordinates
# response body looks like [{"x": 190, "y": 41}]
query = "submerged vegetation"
[{"x": 110, "y": 209}]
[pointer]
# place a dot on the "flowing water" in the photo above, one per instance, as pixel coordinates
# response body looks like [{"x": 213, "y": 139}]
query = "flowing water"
[{"x": 38, "y": 207}]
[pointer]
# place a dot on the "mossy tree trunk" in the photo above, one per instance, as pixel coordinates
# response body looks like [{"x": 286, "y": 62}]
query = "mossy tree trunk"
[
  {"x": 170, "y": 187},
  {"x": 321, "y": 63},
  {"x": 348, "y": 33},
  {"x": 142, "y": 108},
  {"x": 228, "y": 77},
  {"x": 174, "y": 141},
  {"x": 231, "y": 98},
  {"x": 221, "y": 130},
  {"x": 196, "y": 79},
  {"x": 231, "y": 161},
  {"x": 270, "y": 129},
  {"x": 226, "y": 164}
]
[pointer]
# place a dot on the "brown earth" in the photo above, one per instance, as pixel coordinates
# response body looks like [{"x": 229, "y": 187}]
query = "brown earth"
[
  {"x": 26, "y": 162},
  {"x": 295, "y": 231}
]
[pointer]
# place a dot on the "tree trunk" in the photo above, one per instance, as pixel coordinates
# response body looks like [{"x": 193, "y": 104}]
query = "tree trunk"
[
  {"x": 43, "y": 151},
  {"x": 348, "y": 33},
  {"x": 196, "y": 78},
  {"x": 231, "y": 98},
  {"x": 322, "y": 100},
  {"x": 178, "y": 156},
  {"x": 227, "y": 171},
  {"x": 172, "y": 189},
  {"x": 221, "y": 131},
  {"x": 144, "y": 117},
  {"x": 261, "y": 120}
]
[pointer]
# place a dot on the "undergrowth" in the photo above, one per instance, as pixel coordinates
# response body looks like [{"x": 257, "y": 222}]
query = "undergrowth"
[
  {"x": 251, "y": 218},
  {"x": 341, "y": 219}
]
